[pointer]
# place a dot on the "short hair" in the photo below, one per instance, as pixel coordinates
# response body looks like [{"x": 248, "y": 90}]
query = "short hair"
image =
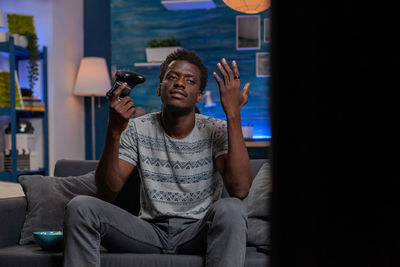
[{"x": 189, "y": 56}]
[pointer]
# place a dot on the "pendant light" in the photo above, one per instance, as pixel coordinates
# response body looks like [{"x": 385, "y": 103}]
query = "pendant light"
[{"x": 248, "y": 6}]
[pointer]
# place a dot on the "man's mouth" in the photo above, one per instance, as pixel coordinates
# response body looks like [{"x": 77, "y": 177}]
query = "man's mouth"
[{"x": 177, "y": 93}]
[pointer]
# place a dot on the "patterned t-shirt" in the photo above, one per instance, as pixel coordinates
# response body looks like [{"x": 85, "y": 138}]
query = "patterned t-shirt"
[{"x": 178, "y": 176}]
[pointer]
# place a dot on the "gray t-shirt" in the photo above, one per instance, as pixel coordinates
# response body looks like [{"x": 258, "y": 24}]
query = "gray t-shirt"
[{"x": 178, "y": 176}]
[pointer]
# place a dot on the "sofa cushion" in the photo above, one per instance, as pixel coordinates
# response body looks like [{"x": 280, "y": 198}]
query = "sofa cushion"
[
  {"x": 47, "y": 197},
  {"x": 32, "y": 255},
  {"x": 257, "y": 203}
]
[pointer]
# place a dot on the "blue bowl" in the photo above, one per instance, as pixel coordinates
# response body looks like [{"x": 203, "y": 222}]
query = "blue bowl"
[{"x": 49, "y": 240}]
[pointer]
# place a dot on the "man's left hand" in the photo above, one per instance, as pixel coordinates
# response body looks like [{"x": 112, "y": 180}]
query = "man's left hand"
[{"x": 232, "y": 99}]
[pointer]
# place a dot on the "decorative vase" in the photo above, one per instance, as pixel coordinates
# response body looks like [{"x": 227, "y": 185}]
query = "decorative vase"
[
  {"x": 247, "y": 132},
  {"x": 158, "y": 54}
]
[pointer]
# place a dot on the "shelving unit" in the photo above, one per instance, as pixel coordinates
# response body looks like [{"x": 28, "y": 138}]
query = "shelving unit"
[{"x": 17, "y": 53}]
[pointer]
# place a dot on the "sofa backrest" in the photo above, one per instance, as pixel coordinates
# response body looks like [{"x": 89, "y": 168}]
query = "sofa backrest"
[
  {"x": 129, "y": 197},
  {"x": 67, "y": 167}
]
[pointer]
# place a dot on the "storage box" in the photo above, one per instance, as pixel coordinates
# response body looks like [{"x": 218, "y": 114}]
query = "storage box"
[
  {"x": 23, "y": 161},
  {"x": 24, "y": 141}
]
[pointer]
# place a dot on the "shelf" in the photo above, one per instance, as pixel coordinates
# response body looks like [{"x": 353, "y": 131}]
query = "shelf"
[
  {"x": 7, "y": 110},
  {"x": 187, "y": 4},
  {"x": 257, "y": 143},
  {"x": 147, "y": 64},
  {"x": 20, "y": 52}
]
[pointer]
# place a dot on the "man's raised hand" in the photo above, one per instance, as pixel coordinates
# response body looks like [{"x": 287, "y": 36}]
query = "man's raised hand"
[{"x": 232, "y": 99}]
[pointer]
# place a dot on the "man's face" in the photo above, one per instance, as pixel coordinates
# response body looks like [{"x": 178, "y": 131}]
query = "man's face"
[{"x": 180, "y": 87}]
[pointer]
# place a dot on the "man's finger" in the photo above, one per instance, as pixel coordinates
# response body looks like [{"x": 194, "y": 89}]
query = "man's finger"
[
  {"x": 218, "y": 80},
  {"x": 127, "y": 106},
  {"x": 117, "y": 92},
  {"x": 235, "y": 70},
  {"x": 246, "y": 89},
  {"x": 246, "y": 93},
  {"x": 223, "y": 72},
  {"x": 227, "y": 68},
  {"x": 119, "y": 103}
]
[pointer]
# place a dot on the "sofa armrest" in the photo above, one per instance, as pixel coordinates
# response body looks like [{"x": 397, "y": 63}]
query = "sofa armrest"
[
  {"x": 256, "y": 165},
  {"x": 12, "y": 217},
  {"x": 68, "y": 167}
]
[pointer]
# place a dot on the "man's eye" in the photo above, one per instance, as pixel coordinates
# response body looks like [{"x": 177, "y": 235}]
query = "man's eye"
[
  {"x": 172, "y": 77},
  {"x": 190, "y": 81}
]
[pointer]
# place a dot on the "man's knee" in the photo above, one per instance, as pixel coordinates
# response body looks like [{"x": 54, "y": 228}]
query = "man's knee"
[
  {"x": 230, "y": 210},
  {"x": 78, "y": 207}
]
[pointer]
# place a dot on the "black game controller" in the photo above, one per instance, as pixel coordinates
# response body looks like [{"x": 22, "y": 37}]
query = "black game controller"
[{"x": 131, "y": 78}]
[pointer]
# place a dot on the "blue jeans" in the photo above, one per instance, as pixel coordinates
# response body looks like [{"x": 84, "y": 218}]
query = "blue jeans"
[{"x": 90, "y": 222}]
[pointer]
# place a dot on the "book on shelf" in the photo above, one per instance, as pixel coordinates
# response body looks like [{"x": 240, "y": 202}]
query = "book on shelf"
[
  {"x": 33, "y": 103},
  {"x": 5, "y": 90}
]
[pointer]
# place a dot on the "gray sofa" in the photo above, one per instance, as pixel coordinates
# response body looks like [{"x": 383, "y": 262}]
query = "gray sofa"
[{"x": 12, "y": 216}]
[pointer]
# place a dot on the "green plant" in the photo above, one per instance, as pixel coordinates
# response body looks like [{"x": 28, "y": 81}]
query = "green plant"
[
  {"x": 164, "y": 42},
  {"x": 33, "y": 51},
  {"x": 20, "y": 24},
  {"x": 23, "y": 25}
]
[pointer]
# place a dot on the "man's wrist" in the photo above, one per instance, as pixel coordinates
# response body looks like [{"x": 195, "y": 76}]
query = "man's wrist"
[
  {"x": 114, "y": 134},
  {"x": 233, "y": 116}
]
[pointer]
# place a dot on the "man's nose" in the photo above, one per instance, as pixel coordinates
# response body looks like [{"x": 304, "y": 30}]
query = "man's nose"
[{"x": 179, "y": 83}]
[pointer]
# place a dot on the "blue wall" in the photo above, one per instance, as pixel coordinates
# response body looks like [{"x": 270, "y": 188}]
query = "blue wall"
[
  {"x": 119, "y": 30},
  {"x": 96, "y": 44},
  {"x": 211, "y": 33}
]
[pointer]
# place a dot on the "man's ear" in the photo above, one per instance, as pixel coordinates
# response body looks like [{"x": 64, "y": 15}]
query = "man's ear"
[
  {"x": 159, "y": 90},
  {"x": 199, "y": 97}
]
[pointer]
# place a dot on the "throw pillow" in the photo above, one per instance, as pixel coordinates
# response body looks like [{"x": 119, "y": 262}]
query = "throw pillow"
[
  {"x": 47, "y": 197},
  {"x": 257, "y": 203}
]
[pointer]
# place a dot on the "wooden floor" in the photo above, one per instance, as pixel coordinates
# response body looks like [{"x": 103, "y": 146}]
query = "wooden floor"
[{"x": 10, "y": 189}]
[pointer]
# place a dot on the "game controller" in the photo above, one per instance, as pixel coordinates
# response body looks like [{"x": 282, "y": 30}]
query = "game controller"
[{"x": 131, "y": 78}]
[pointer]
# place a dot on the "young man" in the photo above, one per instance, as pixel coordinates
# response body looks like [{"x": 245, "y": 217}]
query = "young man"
[{"x": 184, "y": 159}]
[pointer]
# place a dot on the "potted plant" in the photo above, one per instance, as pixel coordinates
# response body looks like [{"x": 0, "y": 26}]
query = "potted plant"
[
  {"x": 23, "y": 25},
  {"x": 158, "y": 49}
]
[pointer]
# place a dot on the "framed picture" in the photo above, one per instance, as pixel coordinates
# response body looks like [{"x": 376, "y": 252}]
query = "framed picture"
[
  {"x": 262, "y": 65},
  {"x": 267, "y": 30},
  {"x": 248, "y": 33}
]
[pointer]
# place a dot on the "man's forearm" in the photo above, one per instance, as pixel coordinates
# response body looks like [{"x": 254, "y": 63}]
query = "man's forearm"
[
  {"x": 108, "y": 180},
  {"x": 238, "y": 175}
]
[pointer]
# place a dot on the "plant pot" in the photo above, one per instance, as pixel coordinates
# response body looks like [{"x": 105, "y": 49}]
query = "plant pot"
[
  {"x": 23, "y": 41},
  {"x": 158, "y": 54}
]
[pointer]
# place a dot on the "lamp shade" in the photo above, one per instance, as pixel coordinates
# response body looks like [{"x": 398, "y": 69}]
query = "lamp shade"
[
  {"x": 248, "y": 6},
  {"x": 93, "y": 78},
  {"x": 2, "y": 25}
]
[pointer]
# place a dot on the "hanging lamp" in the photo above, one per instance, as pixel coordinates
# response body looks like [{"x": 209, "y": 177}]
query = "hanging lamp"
[{"x": 248, "y": 6}]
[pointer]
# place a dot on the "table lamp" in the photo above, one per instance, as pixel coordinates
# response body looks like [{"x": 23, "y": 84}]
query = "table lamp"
[{"x": 92, "y": 80}]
